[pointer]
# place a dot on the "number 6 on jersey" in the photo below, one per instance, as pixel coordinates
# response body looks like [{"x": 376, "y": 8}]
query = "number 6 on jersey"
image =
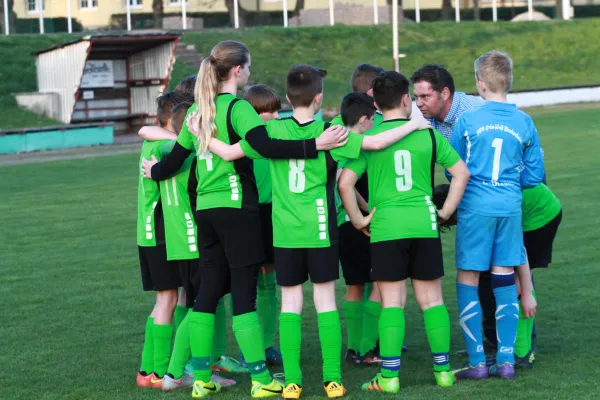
[
  {"x": 297, "y": 179},
  {"x": 404, "y": 170}
]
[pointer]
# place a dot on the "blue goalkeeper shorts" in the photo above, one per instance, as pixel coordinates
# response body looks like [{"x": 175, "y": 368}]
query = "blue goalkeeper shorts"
[{"x": 483, "y": 241}]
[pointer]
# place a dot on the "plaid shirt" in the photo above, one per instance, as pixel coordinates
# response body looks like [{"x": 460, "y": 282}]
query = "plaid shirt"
[{"x": 460, "y": 103}]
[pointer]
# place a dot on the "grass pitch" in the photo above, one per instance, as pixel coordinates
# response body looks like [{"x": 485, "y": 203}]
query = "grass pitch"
[{"x": 74, "y": 311}]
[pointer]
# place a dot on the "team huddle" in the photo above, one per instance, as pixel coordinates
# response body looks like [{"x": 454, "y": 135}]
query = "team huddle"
[{"x": 234, "y": 200}]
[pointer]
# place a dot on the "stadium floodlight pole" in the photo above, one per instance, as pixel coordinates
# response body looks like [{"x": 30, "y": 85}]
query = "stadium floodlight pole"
[
  {"x": 6, "y": 30},
  {"x": 236, "y": 14},
  {"x": 41, "y": 10},
  {"x": 375, "y": 12},
  {"x": 457, "y": 10},
  {"x": 395, "y": 34},
  {"x": 69, "y": 17},
  {"x": 184, "y": 14},
  {"x": 530, "y": 10},
  {"x": 127, "y": 6},
  {"x": 417, "y": 11},
  {"x": 285, "y": 16},
  {"x": 494, "y": 10},
  {"x": 331, "y": 16}
]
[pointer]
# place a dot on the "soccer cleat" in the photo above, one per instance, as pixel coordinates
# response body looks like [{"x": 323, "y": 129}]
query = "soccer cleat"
[
  {"x": 352, "y": 357},
  {"x": 334, "y": 390},
  {"x": 273, "y": 356},
  {"x": 189, "y": 368},
  {"x": 224, "y": 382},
  {"x": 292, "y": 391},
  {"x": 143, "y": 380},
  {"x": 170, "y": 383},
  {"x": 444, "y": 378},
  {"x": 469, "y": 371},
  {"x": 243, "y": 362},
  {"x": 201, "y": 389},
  {"x": 370, "y": 358},
  {"x": 155, "y": 381},
  {"x": 525, "y": 362},
  {"x": 229, "y": 364},
  {"x": 505, "y": 371},
  {"x": 275, "y": 388},
  {"x": 381, "y": 384}
]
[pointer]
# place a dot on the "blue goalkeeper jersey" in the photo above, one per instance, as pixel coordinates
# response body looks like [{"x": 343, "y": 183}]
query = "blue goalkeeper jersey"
[{"x": 501, "y": 147}]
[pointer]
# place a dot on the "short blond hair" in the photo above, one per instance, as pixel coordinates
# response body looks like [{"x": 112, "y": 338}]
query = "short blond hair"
[{"x": 494, "y": 68}]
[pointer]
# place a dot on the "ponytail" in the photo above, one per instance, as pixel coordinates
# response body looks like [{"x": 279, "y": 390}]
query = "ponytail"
[{"x": 214, "y": 69}]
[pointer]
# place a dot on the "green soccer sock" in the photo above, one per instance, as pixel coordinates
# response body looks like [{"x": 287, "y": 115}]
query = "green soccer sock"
[
  {"x": 220, "y": 338},
  {"x": 248, "y": 333},
  {"x": 147, "y": 364},
  {"x": 201, "y": 327},
  {"x": 370, "y": 331},
  {"x": 437, "y": 325},
  {"x": 179, "y": 315},
  {"x": 367, "y": 292},
  {"x": 524, "y": 330},
  {"x": 181, "y": 349},
  {"x": 290, "y": 339},
  {"x": 353, "y": 313},
  {"x": 266, "y": 307},
  {"x": 391, "y": 337},
  {"x": 330, "y": 335},
  {"x": 163, "y": 336}
]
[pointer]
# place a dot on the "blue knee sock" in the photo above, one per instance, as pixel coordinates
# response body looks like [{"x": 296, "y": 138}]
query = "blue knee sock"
[
  {"x": 469, "y": 316},
  {"x": 507, "y": 316}
]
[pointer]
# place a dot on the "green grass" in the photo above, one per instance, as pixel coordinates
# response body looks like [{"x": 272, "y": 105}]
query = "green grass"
[
  {"x": 74, "y": 311},
  {"x": 546, "y": 54}
]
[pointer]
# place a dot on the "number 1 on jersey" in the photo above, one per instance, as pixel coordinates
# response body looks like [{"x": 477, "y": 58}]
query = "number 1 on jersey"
[
  {"x": 497, "y": 145},
  {"x": 297, "y": 179},
  {"x": 207, "y": 155}
]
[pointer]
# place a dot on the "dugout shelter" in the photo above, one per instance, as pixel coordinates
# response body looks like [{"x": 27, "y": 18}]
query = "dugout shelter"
[{"x": 105, "y": 78}]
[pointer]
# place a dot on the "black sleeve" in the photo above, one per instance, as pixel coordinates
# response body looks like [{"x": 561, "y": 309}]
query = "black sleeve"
[
  {"x": 169, "y": 165},
  {"x": 260, "y": 141}
]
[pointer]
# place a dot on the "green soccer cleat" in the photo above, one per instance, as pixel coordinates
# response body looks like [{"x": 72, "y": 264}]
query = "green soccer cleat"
[
  {"x": 444, "y": 378},
  {"x": 275, "y": 388},
  {"x": 381, "y": 384},
  {"x": 229, "y": 364},
  {"x": 201, "y": 389}
]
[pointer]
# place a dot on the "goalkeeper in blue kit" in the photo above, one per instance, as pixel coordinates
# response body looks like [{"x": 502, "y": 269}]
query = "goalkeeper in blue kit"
[{"x": 501, "y": 148}]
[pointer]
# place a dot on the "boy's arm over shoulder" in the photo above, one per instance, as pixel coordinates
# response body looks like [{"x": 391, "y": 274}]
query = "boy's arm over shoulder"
[
  {"x": 349, "y": 151},
  {"x": 533, "y": 161}
]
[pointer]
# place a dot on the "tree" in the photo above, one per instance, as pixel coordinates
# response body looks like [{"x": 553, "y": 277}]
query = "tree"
[
  {"x": 242, "y": 13},
  {"x": 476, "y": 11},
  {"x": 299, "y": 7},
  {"x": 446, "y": 9},
  {"x": 157, "y": 13}
]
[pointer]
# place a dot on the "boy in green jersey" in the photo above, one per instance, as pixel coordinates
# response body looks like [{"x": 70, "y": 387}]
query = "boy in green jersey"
[
  {"x": 304, "y": 225},
  {"x": 404, "y": 234},
  {"x": 158, "y": 274},
  {"x": 266, "y": 103}
]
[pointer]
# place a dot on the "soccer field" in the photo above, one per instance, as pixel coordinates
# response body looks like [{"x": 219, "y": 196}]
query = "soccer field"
[{"x": 74, "y": 311}]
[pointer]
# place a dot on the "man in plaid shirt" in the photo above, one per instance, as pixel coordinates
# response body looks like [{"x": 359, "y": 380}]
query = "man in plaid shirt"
[{"x": 433, "y": 88}]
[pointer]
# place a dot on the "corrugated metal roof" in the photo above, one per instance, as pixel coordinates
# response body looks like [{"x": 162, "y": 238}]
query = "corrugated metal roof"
[{"x": 132, "y": 38}]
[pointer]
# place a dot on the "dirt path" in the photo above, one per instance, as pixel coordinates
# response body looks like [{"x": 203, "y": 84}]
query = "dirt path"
[{"x": 130, "y": 147}]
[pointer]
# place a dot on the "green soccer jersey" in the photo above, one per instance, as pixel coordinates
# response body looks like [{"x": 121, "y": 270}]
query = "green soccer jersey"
[
  {"x": 148, "y": 197},
  {"x": 378, "y": 119},
  {"x": 180, "y": 226},
  {"x": 539, "y": 206},
  {"x": 400, "y": 183},
  {"x": 223, "y": 183},
  {"x": 303, "y": 190},
  {"x": 262, "y": 173},
  {"x": 342, "y": 216}
]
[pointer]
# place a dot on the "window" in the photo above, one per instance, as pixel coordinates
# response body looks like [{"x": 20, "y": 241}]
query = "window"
[
  {"x": 134, "y": 3},
  {"x": 177, "y": 2},
  {"x": 88, "y": 4},
  {"x": 32, "y": 6}
]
